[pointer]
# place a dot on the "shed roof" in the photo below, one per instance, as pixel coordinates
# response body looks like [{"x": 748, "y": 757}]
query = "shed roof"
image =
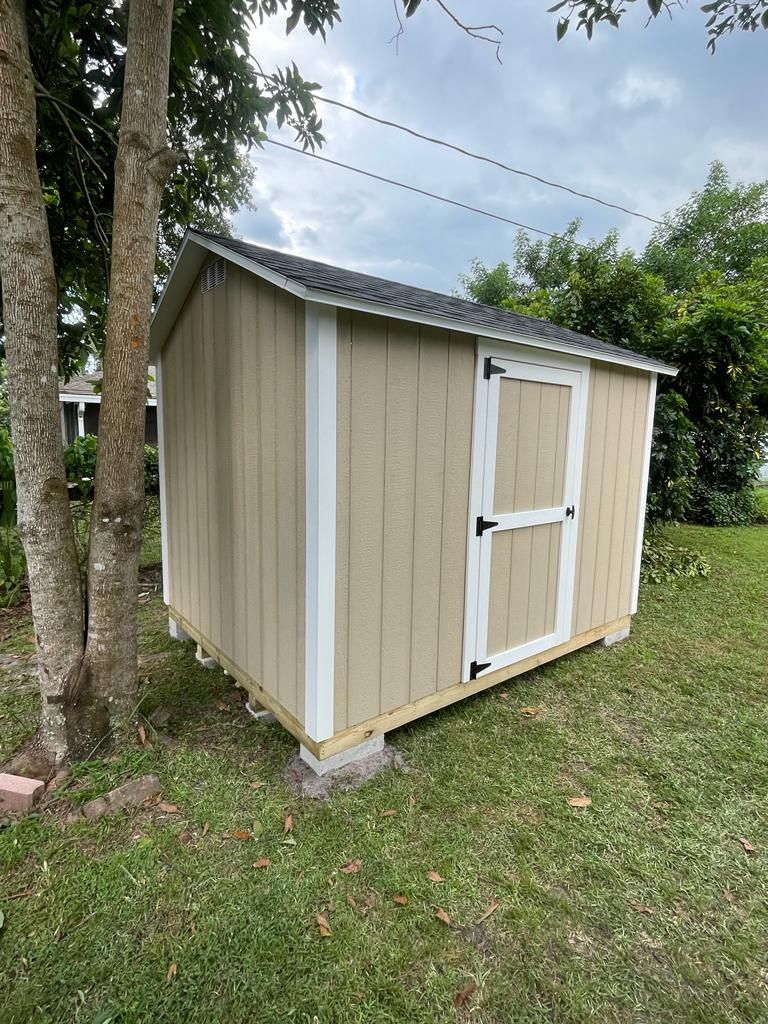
[{"x": 321, "y": 282}]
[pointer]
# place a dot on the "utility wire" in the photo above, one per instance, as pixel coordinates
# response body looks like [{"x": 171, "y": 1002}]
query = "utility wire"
[
  {"x": 486, "y": 159},
  {"x": 412, "y": 188}
]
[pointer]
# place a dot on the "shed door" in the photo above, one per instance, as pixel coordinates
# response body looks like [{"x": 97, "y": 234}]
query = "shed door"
[{"x": 524, "y": 510}]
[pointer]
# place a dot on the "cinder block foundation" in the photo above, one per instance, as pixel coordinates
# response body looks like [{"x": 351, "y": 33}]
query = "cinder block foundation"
[
  {"x": 331, "y": 764},
  {"x": 177, "y": 633},
  {"x": 615, "y": 638},
  {"x": 259, "y": 712},
  {"x": 19, "y": 794}
]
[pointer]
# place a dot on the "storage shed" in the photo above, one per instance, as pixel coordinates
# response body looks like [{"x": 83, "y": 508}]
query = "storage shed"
[{"x": 378, "y": 499}]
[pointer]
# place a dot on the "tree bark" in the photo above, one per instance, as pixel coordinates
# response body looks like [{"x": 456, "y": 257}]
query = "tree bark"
[
  {"x": 143, "y": 164},
  {"x": 30, "y": 319}
]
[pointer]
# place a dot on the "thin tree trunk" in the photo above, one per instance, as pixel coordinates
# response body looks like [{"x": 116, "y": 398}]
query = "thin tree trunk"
[
  {"x": 143, "y": 164},
  {"x": 30, "y": 320}
]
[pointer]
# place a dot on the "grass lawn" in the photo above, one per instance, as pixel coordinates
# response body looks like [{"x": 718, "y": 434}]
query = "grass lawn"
[{"x": 643, "y": 907}]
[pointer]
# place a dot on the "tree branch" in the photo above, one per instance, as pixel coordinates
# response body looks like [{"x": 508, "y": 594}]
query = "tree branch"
[{"x": 475, "y": 31}]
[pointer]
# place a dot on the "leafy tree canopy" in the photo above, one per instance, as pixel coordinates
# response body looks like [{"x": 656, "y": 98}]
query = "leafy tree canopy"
[
  {"x": 724, "y": 227},
  {"x": 723, "y": 16},
  {"x": 219, "y": 105}
]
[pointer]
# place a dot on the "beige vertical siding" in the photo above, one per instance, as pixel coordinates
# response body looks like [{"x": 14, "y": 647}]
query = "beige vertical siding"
[
  {"x": 610, "y": 493},
  {"x": 405, "y": 396},
  {"x": 233, "y": 403}
]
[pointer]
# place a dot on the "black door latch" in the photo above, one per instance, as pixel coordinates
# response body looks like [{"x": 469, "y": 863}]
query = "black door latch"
[{"x": 570, "y": 511}]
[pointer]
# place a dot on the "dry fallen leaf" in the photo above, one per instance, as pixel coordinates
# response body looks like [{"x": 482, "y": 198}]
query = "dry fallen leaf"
[
  {"x": 167, "y": 808},
  {"x": 503, "y": 695},
  {"x": 263, "y": 862},
  {"x": 492, "y": 908},
  {"x": 143, "y": 736},
  {"x": 434, "y": 877},
  {"x": 579, "y": 801},
  {"x": 351, "y": 901},
  {"x": 463, "y": 995},
  {"x": 351, "y": 867},
  {"x": 728, "y": 896},
  {"x": 400, "y": 900},
  {"x": 412, "y": 800},
  {"x": 441, "y": 915},
  {"x": 185, "y": 838},
  {"x": 322, "y": 924},
  {"x": 171, "y": 974},
  {"x": 748, "y": 847},
  {"x": 641, "y": 909},
  {"x": 257, "y": 785},
  {"x": 206, "y": 826},
  {"x": 388, "y": 814},
  {"x": 288, "y": 826},
  {"x": 531, "y": 712},
  {"x": 241, "y": 835}
]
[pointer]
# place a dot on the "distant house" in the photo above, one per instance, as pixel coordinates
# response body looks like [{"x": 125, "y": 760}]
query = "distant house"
[{"x": 80, "y": 404}]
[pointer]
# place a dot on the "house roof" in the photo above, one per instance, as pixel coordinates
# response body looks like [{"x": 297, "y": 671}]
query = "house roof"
[
  {"x": 321, "y": 282},
  {"x": 81, "y": 388}
]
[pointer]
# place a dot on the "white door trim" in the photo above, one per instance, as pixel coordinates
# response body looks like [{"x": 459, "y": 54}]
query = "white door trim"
[
  {"x": 320, "y": 412},
  {"x": 162, "y": 472},
  {"x": 527, "y": 364}
]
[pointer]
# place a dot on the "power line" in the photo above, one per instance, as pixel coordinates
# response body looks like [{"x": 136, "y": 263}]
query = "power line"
[
  {"x": 487, "y": 159},
  {"x": 413, "y": 188}
]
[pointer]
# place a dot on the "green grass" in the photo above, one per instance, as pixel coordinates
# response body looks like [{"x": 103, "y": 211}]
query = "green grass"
[{"x": 668, "y": 734}]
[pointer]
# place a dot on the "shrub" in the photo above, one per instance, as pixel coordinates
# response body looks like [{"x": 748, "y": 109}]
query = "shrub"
[
  {"x": 715, "y": 507},
  {"x": 80, "y": 464},
  {"x": 673, "y": 460}
]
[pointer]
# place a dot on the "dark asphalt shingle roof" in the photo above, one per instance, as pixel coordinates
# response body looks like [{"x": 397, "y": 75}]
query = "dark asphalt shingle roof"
[{"x": 324, "y": 277}]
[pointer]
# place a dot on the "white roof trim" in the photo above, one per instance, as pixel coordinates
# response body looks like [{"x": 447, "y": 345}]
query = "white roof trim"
[{"x": 191, "y": 256}]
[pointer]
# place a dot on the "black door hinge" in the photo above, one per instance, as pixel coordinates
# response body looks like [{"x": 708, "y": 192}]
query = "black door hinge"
[
  {"x": 491, "y": 368},
  {"x": 570, "y": 511},
  {"x": 474, "y": 668},
  {"x": 483, "y": 525}
]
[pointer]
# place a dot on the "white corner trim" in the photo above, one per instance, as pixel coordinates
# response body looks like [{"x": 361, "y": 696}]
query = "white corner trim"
[
  {"x": 161, "y": 473},
  {"x": 643, "y": 492},
  {"x": 81, "y": 419},
  {"x": 320, "y": 412}
]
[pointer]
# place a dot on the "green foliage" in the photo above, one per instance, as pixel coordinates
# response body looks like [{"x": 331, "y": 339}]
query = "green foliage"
[
  {"x": 80, "y": 464},
  {"x": 724, "y": 508},
  {"x": 151, "y": 469},
  {"x": 724, "y": 16},
  {"x": 489, "y": 286},
  {"x": 12, "y": 564},
  {"x": 724, "y": 227},
  {"x": 664, "y": 561},
  {"x": 674, "y": 460},
  {"x": 718, "y": 339},
  {"x": 220, "y": 103}
]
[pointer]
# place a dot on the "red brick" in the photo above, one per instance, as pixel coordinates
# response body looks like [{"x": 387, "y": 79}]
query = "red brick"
[{"x": 19, "y": 794}]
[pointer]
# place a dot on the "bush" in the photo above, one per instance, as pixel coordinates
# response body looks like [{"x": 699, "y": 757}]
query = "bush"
[
  {"x": 724, "y": 508},
  {"x": 673, "y": 460},
  {"x": 151, "y": 469},
  {"x": 12, "y": 564},
  {"x": 80, "y": 464},
  {"x": 664, "y": 561}
]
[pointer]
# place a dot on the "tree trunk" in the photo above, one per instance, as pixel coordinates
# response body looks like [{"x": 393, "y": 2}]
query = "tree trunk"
[
  {"x": 143, "y": 164},
  {"x": 30, "y": 319}
]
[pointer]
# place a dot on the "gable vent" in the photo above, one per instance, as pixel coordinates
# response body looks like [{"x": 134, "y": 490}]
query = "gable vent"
[{"x": 214, "y": 274}]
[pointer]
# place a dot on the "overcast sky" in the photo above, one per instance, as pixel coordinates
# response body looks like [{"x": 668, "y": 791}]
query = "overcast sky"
[{"x": 635, "y": 116}]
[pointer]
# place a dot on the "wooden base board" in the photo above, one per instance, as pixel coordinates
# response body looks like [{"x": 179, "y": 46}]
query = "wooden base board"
[{"x": 408, "y": 712}]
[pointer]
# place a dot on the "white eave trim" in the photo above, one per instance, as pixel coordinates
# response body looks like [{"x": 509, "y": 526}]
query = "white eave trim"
[{"x": 184, "y": 270}]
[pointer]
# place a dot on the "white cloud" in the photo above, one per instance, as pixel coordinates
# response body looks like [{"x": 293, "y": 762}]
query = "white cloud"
[{"x": 641, "y": 89}]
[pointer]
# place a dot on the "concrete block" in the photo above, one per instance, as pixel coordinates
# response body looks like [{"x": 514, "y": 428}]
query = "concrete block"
[
  {"x": 19, "y": 794},
  {"x": 177, "y": 633},
  {"x": 260, "y": 713},
  {"x": 367, "y": 748},
  {"x": 203, "y": 658},
  {"x": 615, "y": 638}
]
